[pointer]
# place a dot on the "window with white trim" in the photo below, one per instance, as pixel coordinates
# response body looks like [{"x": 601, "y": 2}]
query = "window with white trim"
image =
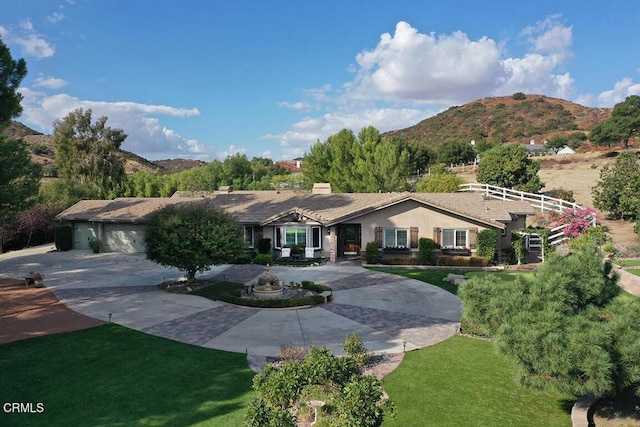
[
  {"x": 303, "y": 236},
  {"x": 396, "y": 238},
  {"x": 455, "y": 238},
  {"x": 248, "y": 236}
]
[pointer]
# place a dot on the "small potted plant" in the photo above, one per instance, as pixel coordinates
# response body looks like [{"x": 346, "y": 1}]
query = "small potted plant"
[
  {"x": 94, "y": 244},
  {"x": 38, "y": 280}
]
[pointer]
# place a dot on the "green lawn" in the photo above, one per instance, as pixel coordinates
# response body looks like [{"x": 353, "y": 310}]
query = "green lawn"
[
  {"x": 463, "y": 382},
  {"x": 111, "y": 375},
  {"x": 214, "y": 291},
  {"x": 627, "y": 262},
  {"x": 435, "y": 277}
]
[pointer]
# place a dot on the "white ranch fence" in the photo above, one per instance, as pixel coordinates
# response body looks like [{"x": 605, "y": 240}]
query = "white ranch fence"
[{"x": 538, "y": 201}]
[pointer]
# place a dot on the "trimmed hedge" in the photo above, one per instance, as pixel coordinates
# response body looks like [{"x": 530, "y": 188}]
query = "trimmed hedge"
[
  {"x": 263, "y": 259},
  {"x": 63, "y": 237},
  {"x": 425, "y": 248},
  {"x": 460, "y": 261},
  {"x": 487, "y": 243},
  {"x": 236, "y": 298},
  {"x": 372, "y": 253},
  {"x": 315, "y": 287}
]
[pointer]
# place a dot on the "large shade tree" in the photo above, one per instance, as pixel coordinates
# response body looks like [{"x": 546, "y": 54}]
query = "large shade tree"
[
  {"x": 509, "y": 166},
  {"x": 19, "y": 177},
  {"x": 622, "y": 125},
  {"x": 192, "y": 237},
  {"x": 11, "y": 74},
  {"x": 618, "y": 190},
  {"x": 362, "y": 164},
  {"x": 89, "y": 153}
]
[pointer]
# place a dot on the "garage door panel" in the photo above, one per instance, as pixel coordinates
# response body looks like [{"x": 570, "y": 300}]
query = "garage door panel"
[
  {"x": 82, "y": 232},
  {"x": 124, "y": 238}
]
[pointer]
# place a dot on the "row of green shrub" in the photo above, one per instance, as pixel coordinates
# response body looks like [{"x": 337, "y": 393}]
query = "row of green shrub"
[
  {"x": 315, "y": 287},
  {"x": 236, "y": 298},
  {"x": 460, "y": 261}
]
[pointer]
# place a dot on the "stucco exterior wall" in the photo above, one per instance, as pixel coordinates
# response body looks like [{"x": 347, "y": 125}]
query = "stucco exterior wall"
[{"x": 411, "y": 214}]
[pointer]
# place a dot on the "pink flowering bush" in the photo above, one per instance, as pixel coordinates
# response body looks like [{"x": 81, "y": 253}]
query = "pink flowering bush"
[{"x": 576, "y": 221}]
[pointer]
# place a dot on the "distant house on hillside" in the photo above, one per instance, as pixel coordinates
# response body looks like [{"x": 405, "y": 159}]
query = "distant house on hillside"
[
  {"x": 535, "y": 149},
  {"x": 294, "y": 166},
  {"x": 565, "y": 151}
]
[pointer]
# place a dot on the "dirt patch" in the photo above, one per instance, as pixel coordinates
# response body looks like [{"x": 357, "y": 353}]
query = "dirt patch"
[
  {"x": 615, "y": 412},
  {"x": 27, "y": 312},
  {"x": 579, "y": 173}
]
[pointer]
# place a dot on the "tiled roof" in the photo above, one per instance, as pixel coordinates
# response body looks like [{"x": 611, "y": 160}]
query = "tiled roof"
[{"x": 263, "y": 207}]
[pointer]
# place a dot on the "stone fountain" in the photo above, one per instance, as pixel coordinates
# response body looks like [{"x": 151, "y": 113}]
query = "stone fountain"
[{"x": 268, "y": 286}]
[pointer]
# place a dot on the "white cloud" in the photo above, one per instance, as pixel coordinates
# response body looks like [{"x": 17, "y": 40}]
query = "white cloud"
[
  {"x": 300, "y": 106},
  {"x": 621, "y": 89},
  {"x": 414, "y": 66},
  {"x": 409, "y": 76},
  {"x": 230, "y": 151},
  {"x": 297, "y": 140},
  {"x": 550, "y": 36},
  {"x": 49, "y": 82},
  {"x": 31, "y": 43},
  {"x": 146, "y": 135},
  {"x": 55, "y": 17}
]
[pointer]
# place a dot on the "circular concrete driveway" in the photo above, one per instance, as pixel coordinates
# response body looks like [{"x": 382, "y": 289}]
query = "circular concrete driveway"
[{"x": 387, "y": 311}]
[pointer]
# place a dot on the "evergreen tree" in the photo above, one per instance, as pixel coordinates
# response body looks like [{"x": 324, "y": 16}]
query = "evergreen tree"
[{"x": 509, "y": 166}]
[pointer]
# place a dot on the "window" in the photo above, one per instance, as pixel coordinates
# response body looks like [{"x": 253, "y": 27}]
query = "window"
[
  {"x": 295, "y": 236},
  {"x": 305, "y": 237},
  {"x": 248, "y": 236},
  {"x": 396, "y": 238},
  {"x": 455, "y": 238},
  {"x": 316, "y": 238}
]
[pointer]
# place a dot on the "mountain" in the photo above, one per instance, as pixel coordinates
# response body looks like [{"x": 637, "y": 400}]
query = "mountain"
[
  {"x": 43, "y": 152},
  {"x": 507, "y": 119}
]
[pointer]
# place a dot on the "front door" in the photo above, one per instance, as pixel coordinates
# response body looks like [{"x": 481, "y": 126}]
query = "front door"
[{"x": 349, "y": 239}]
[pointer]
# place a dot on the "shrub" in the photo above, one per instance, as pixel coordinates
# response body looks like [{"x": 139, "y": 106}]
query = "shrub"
[
  {"x": 63, "y": 237},
  {"x": 425, "y": 248},
  {"x": 264, "y": 246},
  {"x": 487, "y": 243},
  {"x": 243, "y": 257},
  {"x": 316, "y": 287},
  {"x": 94, "y": 244},
  {"x": 263, "y": 259},
  {"x": 236, "y": 298},
  {"x": 402, "y": 260},
  {"x": 372, "y": 253},
  {"x": 290, "y": 353},
  {"x": 519, "y": 96},
  {"x": 462, "y": 261},
  {"x": 355, "y": 349}
]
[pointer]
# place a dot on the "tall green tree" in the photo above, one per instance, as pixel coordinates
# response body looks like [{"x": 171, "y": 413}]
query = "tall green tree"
[
  {"x": 192, "y": 237},
  {"x": 622, "y": 125},
  {"x": 618, "y": 190},
  {"x": 363, "y": 164},
  {"x": 509, "y": 166},
  {"x": 455, "y": 152},
  {"x": 89, "y": 153},
  {"x": 11, "y": 74}
]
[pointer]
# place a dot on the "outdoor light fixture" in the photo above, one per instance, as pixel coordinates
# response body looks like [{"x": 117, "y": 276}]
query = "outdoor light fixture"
[
  {"x": 404, "y": 346},
  {"x": 110, "y": 317}
]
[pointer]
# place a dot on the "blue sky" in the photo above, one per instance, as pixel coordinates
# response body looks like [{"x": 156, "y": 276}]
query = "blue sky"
[{"x": 206, "y": 79}]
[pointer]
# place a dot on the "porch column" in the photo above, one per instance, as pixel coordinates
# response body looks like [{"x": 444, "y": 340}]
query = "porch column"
[{"x": 333, "y": 244}]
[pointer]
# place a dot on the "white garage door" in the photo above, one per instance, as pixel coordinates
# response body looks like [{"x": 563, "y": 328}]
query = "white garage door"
[
  {"x": 127, "y": 238},
  {"x": 82, "y": 232}
]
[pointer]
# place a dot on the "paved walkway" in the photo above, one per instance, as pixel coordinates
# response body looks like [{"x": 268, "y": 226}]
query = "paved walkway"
[{"x": 389, "y": 312}]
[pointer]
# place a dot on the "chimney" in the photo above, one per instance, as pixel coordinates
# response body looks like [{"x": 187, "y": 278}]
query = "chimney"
[{"x": 321, "y": 188}]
